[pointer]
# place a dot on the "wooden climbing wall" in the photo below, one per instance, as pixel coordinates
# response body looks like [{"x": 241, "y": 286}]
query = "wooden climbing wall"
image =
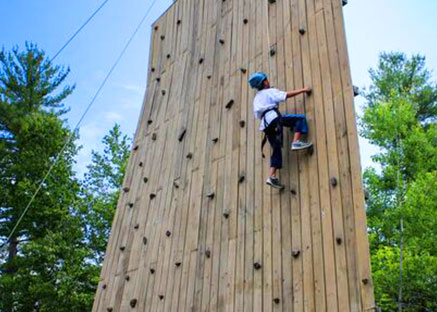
[{"x": 196, "y": 228}]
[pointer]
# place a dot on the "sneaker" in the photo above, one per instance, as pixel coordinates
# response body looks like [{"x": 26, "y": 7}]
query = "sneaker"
[
  {"x": 274, "y": 182},
  {"x": 299, "y": 145}
]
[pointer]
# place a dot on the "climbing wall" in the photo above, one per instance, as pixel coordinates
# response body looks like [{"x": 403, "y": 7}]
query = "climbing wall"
[{"x": 196, "y": 228}]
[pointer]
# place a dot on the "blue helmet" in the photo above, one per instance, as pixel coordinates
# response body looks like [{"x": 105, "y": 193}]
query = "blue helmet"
[{"x": 257, "y": 79}]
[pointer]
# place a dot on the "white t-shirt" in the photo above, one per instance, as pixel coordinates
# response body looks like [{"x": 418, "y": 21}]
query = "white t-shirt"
[{"x": 266, "y": 99}]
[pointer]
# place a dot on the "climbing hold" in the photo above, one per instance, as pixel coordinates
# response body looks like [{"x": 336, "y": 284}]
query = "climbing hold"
[
  {"x": 153, "y": 69},
  {"x": 140, "y": 164},
  {"x": 243, "y": 70},
  {"x": 162, "y": 37},
  {"x": 133, "y": 303},
  {"x": 209, "y": 76},
  {"x": 152, "y": 195},
  {"x": 229, "y": 105},
  {"x": 182, "y": 134},
  {"x": 189, "y": 156},
  {"x": 344, "y": 2},
  {"x": 241, "y": 178},
  {"x": 145, "y": 240},
  {"x": 122, "y": 248},
  {"x": 179, "y": 22},
  {"x": 356, "y": 91},
  {"x": 168, "y": 233},
  {"x": 334, "y": 182},
  {"x": 215, "y": 140},
  {"x": 153, "y": 136},
  {"x": 208, "y": 253},
  {"x": 176, "y": 185},
  {"x": 257, "y": 265},
  {"x": 365, "y": 281},
  {"x": 201, "y": 60},
  {"x": 104, "y": 286},
  {"x": 242, "y": 123},
  {"x": 302, "y": 31},
  {"x": 158, "y": 79},
  {"x": 131, "y": 205},
  {"x": 126, "y": 189},
  {"x": 339, "y": 240},
  {"x": 226, "y": 215},
  {"x": 168, "y": 56},
  {"x": 293, "y": 191},
  {"x": 272, "y": 1},
  {"x": 178, "y": 264},
  {"x": 156, "y": 27},
  {"x": 136, "y": 147},
  {"x": 295, "y": 253},
  {"x": 145, "y": 180},
  {"x": 245, "y": 21},
  {"x": 210, "y": 195},
  {"x": 163, "y": 92},
  {"x": 127, "y": 278},
  {"x": 152, "y": 271},
  {"x": 136, "y": 227},
  {"x": 161, "y": 297},
  {"x": 222, "y": 42},
  {"x": 276, "y": 300},
  {"x": 272, "y": 51},
  {"x": 149, "y": 122},
  {"x": 109, "y": 309}
]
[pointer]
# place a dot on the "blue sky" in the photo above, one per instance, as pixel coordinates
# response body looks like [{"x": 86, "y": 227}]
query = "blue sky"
[{"x": 372, "y": 26}]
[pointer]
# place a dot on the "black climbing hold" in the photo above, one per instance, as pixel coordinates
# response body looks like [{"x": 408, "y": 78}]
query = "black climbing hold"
[
  {"x": 339, "y": 240},
  {"x": 122, "y": 248},
  {"x": 152, "y": 271},
  {"x": 153, "y": 69},
  {"x": 226, "y": 215},
  {"x": 182, "y": 134},
  {"x": 222, "y": 41},
  {"x": 276, "y": 300},
  {"x": 356, "y": 91},
  {"x": 145, "y": 180},
  {"x": 168, "y": 56},
  {"x": 133, "y": 303},
  {"x": 334, "y": 182},
  {"x": 257, "y": 265},
  {"x": 295, "y": 253},
  {"x": 136, "y": 227},
  {"x": 302, "y": 31},
  {"x": 208, "y": 254},
  {"x": 104, "y": 286},
  {"x": 158, "y": 79},
  {"x": 344, "y": 2},
  {"x": 272, "y": 1},
  {"x": 161, "y": 297},
  {"x": 126, "y": 189},
  {"x": 243, "y": 70},
  {"x": 201, "y": 60},
  {"x": 209, "y": 76},
  {"x": 127, "y": 278},
  {"x": 178, "y": 264},
  {"x": 210, "y": 195},
  {"x": 365, "y": 281},
  {"x": 242, "y": 123},
  {"x": 189, "y": 156},
  {"x": 156, "y": 27},
  {"x": 179, "y": 22},
  {"x": 163, "y": 92},
  {"x": 241, "y": 178},
  {"x": 293, "y": 191},
  {"x": 272, "y": 52},
  {"x": 215, "y": 140},
  {"x": 152, "y": 195},
  {"x": 140, "y": 164},
  {"x": 162, "y": 37},
  {"x": 149, "y": 122},
  {"x": 168, "y": 233},
  {"x": 153, "y": 136},
  {"x": 109, "y": 309},
  {"x": 229, "y": 105},
  {"x": 245, "y": 21},
  {"x": 145, "y": 240},
  {"x": 176, "y": 185},
  {"x": 131, "y": 205},
  {"x": 136, "y": 147}
]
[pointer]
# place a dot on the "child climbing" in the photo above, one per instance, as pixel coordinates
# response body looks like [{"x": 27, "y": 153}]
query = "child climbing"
[{"x": 265, "y": 108}]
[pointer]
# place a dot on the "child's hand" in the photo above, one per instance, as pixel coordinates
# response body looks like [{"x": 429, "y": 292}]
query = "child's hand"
[{"x": 307, "y": 90}]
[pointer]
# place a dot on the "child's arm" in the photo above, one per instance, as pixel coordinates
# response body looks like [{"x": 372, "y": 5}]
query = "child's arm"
[{"x": 297, "y": 92}]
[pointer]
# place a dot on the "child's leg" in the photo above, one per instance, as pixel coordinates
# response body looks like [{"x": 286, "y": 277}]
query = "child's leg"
[
  {"x": 276, "y": 158},
  {"x": 297, "y": 123}
]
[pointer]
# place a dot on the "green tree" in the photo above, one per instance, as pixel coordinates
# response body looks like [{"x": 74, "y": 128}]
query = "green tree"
[
  {"x": 43, "y": 267},
  {"x": 399, "y": 117},
  {"x": 101, "y": 189}
]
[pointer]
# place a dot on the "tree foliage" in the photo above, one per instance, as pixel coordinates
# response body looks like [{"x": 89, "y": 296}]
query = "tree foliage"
[{"x": 400, "y": 118}]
